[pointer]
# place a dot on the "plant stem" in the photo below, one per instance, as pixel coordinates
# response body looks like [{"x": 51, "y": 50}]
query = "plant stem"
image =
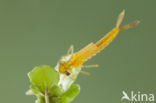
[{"x": 46, "y": 96}]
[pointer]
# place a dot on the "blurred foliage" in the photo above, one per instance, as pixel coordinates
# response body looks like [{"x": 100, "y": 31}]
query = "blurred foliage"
[{"x": 45, "y": 78}]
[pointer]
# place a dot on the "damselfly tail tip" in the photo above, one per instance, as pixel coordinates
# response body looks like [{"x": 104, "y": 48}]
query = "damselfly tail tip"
[
  {"x": 130, "y": 25},
  {"x": 123, "y": 12},
  {"x": 120, "y": 18}
]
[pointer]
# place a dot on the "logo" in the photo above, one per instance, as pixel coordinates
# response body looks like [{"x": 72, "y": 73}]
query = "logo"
[{"x": 137, "y": 96}]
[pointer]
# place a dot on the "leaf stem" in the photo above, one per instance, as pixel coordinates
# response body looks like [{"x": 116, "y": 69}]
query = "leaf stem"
[{"x": 46, "y": 96}]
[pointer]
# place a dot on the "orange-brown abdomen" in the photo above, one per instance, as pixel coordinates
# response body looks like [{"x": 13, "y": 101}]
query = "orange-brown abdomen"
[{"x": 92, "y": 49}]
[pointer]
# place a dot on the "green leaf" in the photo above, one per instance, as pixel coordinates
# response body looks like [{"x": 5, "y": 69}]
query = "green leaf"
[
  {"x": 40, "y": 99},
  {"x": 56, "y": 91},
  {"x": 71, "y": 93},
  {"x": 56, "y": 100},
  {"x": 44, "y": 77},
  {"x": 29, "y": 92},
  {"x": 34, "y": 90}
]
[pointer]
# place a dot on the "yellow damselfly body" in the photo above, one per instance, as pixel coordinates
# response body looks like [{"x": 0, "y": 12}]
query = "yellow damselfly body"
[{"x": 77, "y": 59}]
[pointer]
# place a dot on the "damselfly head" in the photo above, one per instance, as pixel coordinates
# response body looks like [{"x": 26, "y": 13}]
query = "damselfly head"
[
  {"x": 67, "y": 73},
  {"x": 64, "y": 68}
]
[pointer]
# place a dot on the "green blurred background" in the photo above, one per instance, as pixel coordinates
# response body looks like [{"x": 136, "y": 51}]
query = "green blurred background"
[{"x": 36, "y": 32}]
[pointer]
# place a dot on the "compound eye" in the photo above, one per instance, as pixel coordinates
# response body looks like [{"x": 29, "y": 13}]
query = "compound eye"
[{"x": 67, "y": 73}]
